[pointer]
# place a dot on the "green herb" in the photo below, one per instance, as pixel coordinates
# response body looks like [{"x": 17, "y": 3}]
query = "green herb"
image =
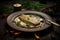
[
  {"x": 33, "y": 5},
  {"x": 18, "y": 23},
  {"x": 28, "y": 24},
  {"x": 31, "y": 15},
  {"x": 27, "y": 18},
  {"x": 8, "y": 9}
]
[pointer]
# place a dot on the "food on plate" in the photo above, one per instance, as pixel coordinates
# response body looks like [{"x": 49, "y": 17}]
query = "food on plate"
[
  {"x": 28, "y": 21},
  {"x": 30, "y": 18}
]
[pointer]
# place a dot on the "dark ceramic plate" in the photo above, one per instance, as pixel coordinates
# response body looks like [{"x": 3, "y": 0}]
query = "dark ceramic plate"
[{"x": 16, "y": 14}]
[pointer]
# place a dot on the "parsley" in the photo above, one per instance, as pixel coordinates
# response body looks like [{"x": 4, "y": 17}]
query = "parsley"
[{"x": 28, "y": 24}]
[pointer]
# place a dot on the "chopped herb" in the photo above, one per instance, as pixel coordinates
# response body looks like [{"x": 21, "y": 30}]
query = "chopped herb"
[
  {"x": 27, "y": 18},
  {"x": 28, "y": 24},
  {"x": 18, "y": 23},
  {"x": 31, "y": 15}
]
